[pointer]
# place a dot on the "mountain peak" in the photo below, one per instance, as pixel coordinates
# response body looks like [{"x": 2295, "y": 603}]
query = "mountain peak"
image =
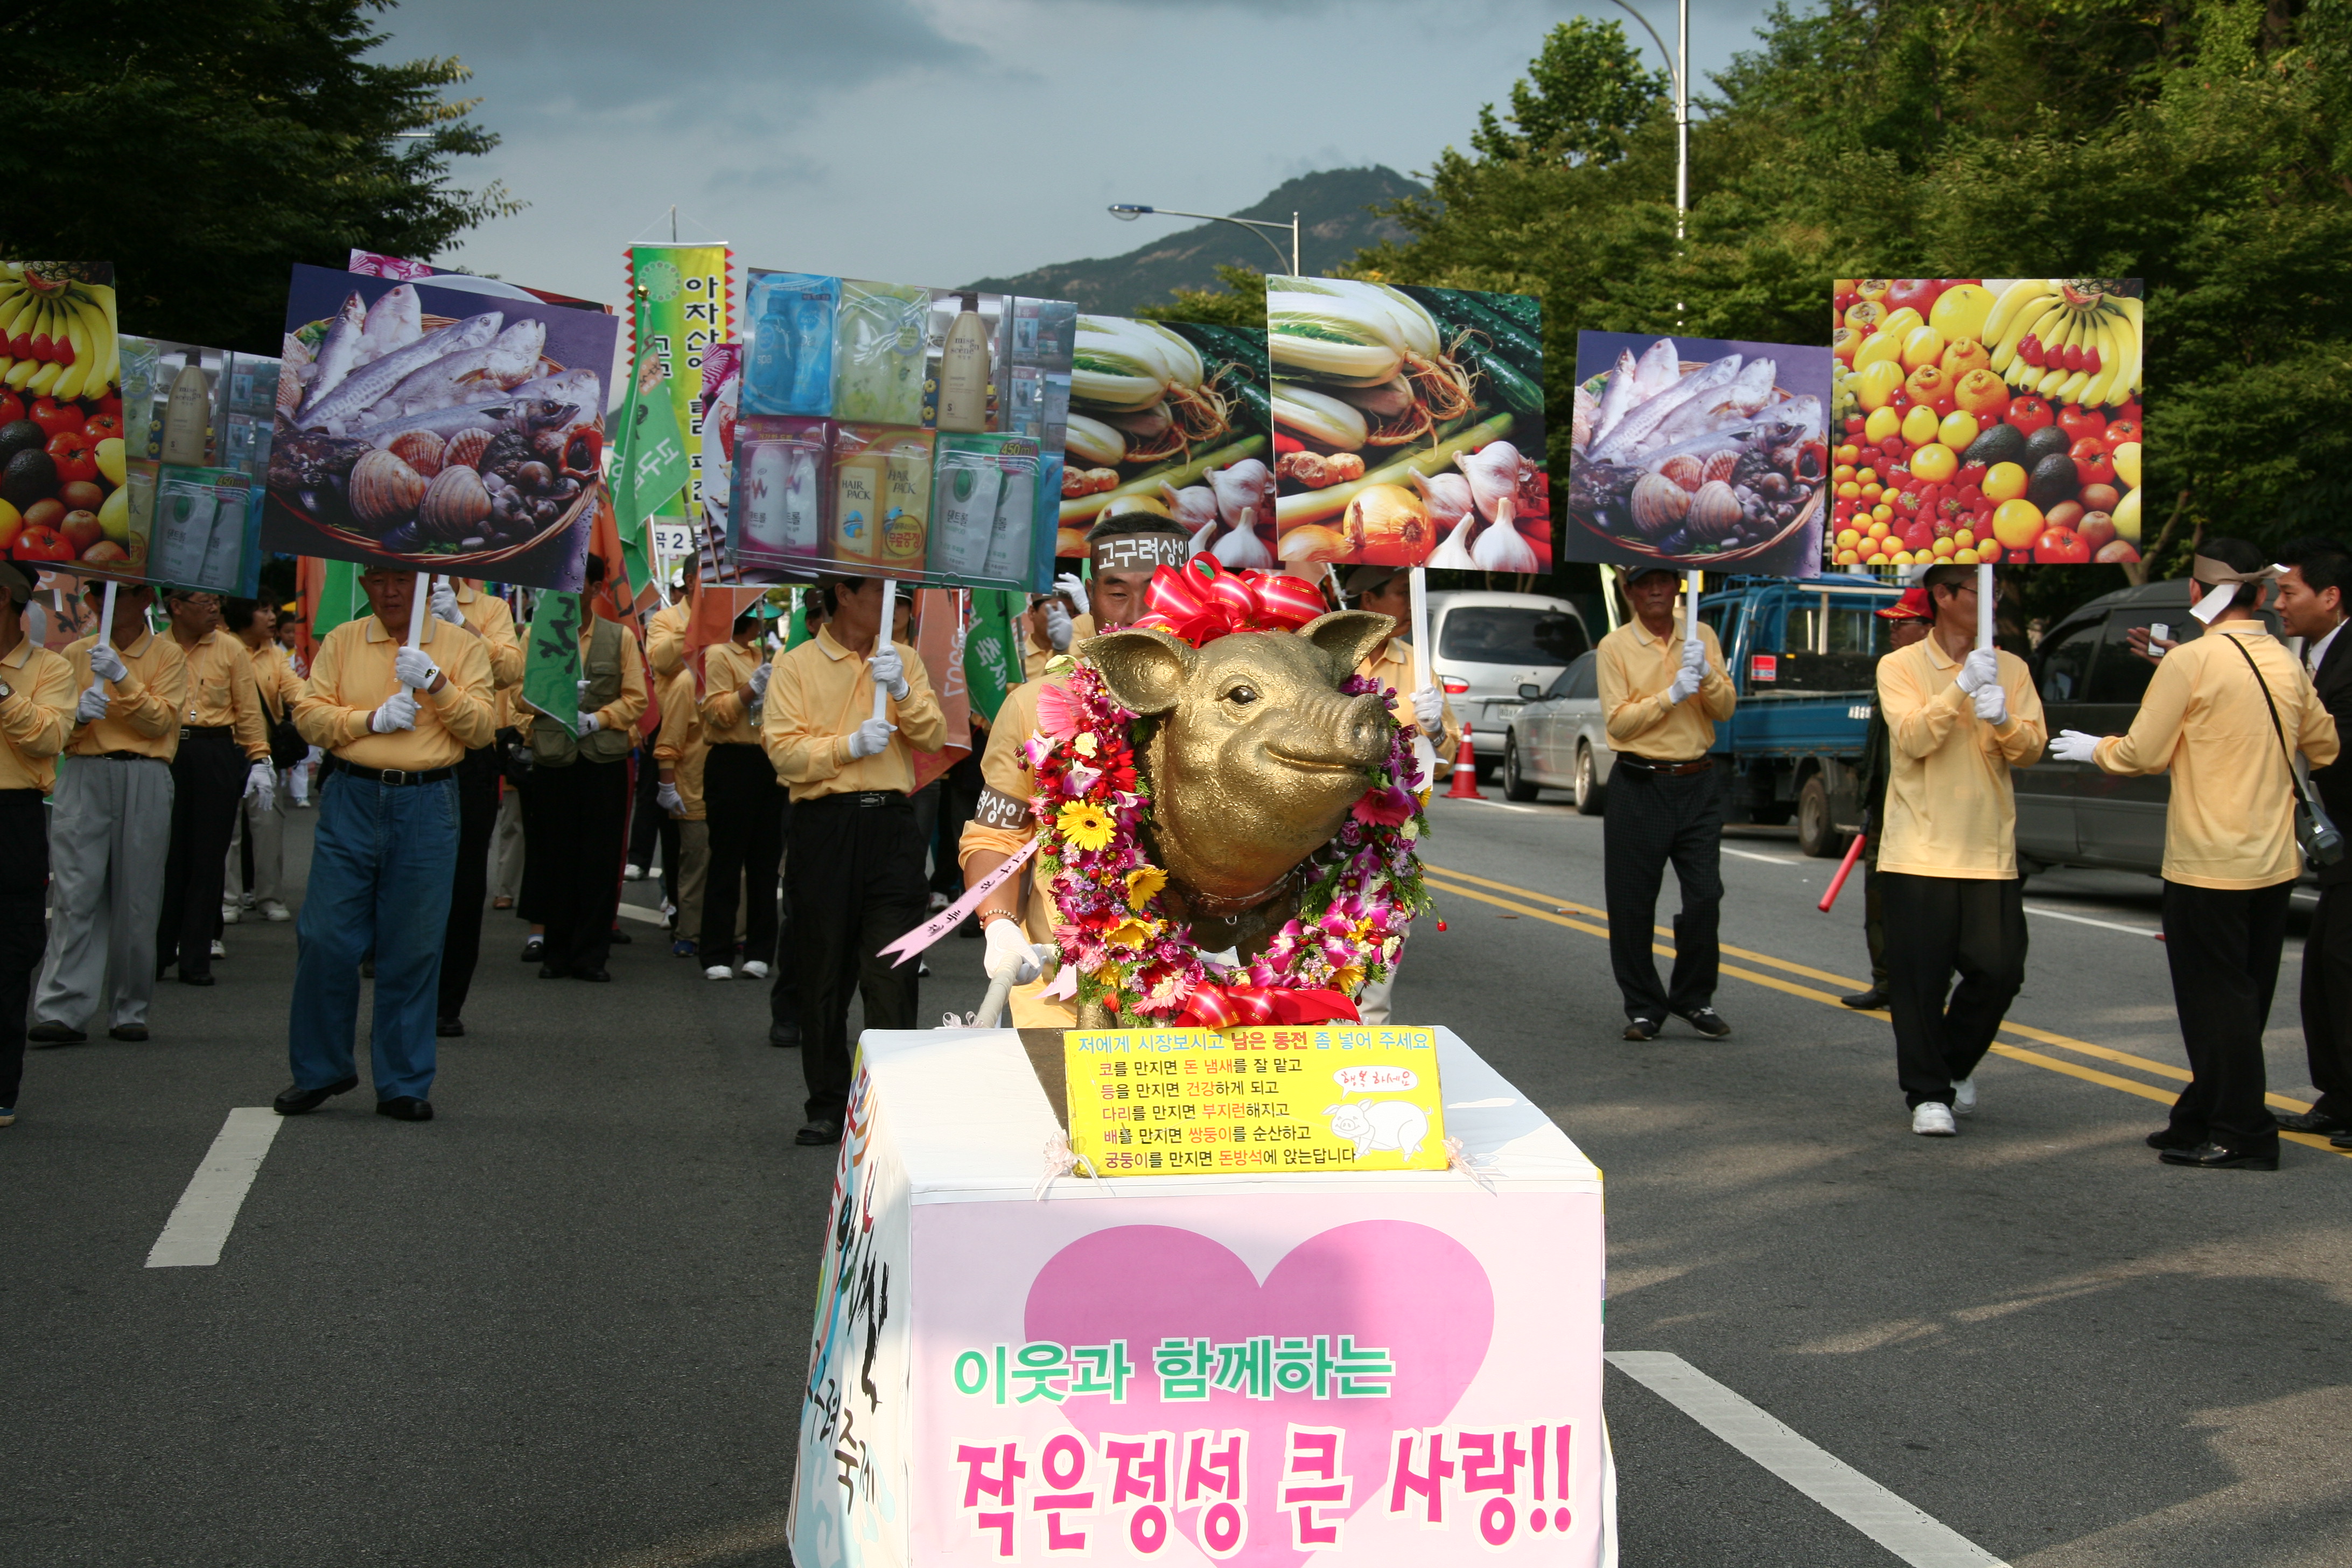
[{"x": 1334, "y": 222}]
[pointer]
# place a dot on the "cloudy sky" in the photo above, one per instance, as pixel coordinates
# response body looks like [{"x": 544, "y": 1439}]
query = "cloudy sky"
[{"x": 935, "y": 141}]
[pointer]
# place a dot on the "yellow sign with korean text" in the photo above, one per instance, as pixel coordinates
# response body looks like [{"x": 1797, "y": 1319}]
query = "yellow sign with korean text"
[{"x": 1254, "y": 1101}]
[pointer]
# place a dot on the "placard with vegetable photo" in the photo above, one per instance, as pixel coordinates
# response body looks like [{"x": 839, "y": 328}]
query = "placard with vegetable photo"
[
  {"x": 1986, "y": 419},
  {"x": 62, "y": 497},
  {"x": 1170, "y": 418},
  {"x": 437, "y": 429},
  {"x": 1409, "y": 425},
  {"x": 1698, "y": 452}
]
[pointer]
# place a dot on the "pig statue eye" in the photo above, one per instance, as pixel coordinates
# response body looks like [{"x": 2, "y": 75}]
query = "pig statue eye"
[{"x": 1242, "y": 694}]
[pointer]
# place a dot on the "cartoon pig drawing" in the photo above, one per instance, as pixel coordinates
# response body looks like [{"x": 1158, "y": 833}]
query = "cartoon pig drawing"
[{"x": 1395, "y": 1124}]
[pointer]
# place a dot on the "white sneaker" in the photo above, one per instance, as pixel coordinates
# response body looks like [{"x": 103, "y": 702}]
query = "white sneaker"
[
  {"x": 219, "y": 949},
  {"x": 272, "y": 910},
  {"x": 230, "y": 914},
  {"x": 633, "y": 873},
  {"x": 718, "y": 972},
  {"x": 755, "y": 969},
  {"x": 1964, "y": 1096},
  {"x": 1933, "y": 1121}
]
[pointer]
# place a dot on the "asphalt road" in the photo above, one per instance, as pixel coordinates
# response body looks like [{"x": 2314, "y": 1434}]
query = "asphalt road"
[{"x": 566, "y": 1323}]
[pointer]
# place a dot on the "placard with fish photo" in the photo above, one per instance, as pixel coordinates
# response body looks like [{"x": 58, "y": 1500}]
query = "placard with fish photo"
[
  {"x": 434, "y": 428},
  {"x": 1698, "y": 452},
  {"x": 1409, "y": 426}
]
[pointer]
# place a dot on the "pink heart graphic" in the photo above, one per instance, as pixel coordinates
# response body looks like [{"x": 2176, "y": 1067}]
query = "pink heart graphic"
[{"x": 1406, "y": 1289}]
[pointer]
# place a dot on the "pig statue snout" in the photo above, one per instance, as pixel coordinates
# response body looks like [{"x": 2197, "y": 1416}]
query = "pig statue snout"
[{"x": 1257, "y": 756}]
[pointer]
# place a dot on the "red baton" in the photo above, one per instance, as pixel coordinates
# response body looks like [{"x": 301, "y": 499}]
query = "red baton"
[{"x": 1845, "y": 870}]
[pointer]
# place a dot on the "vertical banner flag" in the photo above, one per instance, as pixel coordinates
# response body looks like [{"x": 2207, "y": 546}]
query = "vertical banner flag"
[
  {"x": 551, "y": 665},
  {"x": 991, "y": 651},
  {"x": 682, "y": 314}
]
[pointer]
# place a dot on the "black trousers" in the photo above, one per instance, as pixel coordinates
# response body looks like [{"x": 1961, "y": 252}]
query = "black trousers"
[
  {"x": 960, "y": 789},
  {"x": 1654, "y": 819},
  {"x": 24, "y": 888},
  {"x": 784, "y": 990},
  {"x": 2327, "y": 1000},
  {"x": 744, "y": 807},
  {"x": 2223, "y": 947},
  {"x": 856, "y": 880},
  {"x": 645, "y": 816},
  {"x": 582, "y": 814},
  {"x": 208, "y": 781},
  {"x": 478, "y": 817},
  {"x": 1934, "y": 926}
]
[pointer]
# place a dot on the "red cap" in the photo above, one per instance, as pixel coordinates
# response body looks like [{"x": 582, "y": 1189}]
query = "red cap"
[{"x": 1911, "y": 606}]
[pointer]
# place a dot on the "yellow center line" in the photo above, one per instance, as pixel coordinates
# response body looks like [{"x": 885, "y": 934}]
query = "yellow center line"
[{"x": 2015, "y": 1053}]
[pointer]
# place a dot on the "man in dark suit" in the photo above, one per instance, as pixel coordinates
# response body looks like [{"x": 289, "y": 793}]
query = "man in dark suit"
[{"x": 2311, "y": 607}]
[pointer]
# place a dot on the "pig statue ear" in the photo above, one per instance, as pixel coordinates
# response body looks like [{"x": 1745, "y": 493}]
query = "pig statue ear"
[
  {"x": 1144, "y": 670},
  {"x": 1348, "y": 637}
]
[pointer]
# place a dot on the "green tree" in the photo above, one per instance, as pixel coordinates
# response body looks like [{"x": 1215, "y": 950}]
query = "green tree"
[
  {"x": 1239, "y": 303},
  {"x": 1584, "y": 94},
  {"x": 204, "y": 146}
]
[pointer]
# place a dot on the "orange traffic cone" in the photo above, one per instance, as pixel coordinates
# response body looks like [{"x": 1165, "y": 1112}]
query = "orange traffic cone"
[{"x": 1466, "y": 772}]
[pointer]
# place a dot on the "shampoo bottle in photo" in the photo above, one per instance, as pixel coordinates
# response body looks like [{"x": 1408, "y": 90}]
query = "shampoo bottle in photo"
[
  {"x": 187, "y": 419},
  {"x": 859, "y": 479},
  {"x": 963, "y": 371},
  {"x": 906, "y": 505}
]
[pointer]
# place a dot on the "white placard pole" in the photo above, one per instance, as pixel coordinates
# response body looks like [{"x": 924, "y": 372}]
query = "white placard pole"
[
  {"x": 882, "y": 639},
  {"x": 1424, "y": 670},
  {"x": 417, "y": 613},
  {"x": 1690, "y": 614},
  {"x": 1984, "y": 604},
  {"x": 105, "y": 615}
]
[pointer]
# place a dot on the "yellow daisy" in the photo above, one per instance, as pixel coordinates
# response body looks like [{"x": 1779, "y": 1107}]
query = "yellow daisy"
[
  {"x": 1143, "y": 885},
  {"x": 1129, "y": 934},
  {"x": 1085, "y": 825}
]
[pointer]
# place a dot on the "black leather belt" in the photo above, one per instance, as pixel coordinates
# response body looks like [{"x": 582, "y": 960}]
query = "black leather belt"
[
  {"x": 197, "y": 731},
  {"x": 864, "y": 800},
  {"x": 335, "y": 764},
  {"x": 20, "y": 797},
  {"x": 126, "y": 757},
  {"x": 1665, "y": 770}
]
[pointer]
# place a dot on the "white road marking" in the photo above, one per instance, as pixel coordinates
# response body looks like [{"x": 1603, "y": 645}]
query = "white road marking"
[
  {"x": 640, "y": 912},
  {"x": 2087, "y": 921},
  {"x": 1498, "y": 805},
  {"x": 199, "y": 1226},
  {"x": 1768, "y": 859},
  {"x": 1821, "y": 1476}
]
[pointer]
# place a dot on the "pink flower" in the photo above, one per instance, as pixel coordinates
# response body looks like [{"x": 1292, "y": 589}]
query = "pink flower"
[
  {"x": 1386, "y": 807},
  {"x": 1057, "y": 714}
]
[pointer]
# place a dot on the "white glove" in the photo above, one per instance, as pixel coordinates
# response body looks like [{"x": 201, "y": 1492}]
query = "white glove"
[
  {"x": 1068, "y": 582},
  {"x": 581, "y": 687},
  {"x": 92, "y": 706},
  {"x": 589, "y": 723},
  {"x": 2073, "y": 746},
  {"x": 890, "y": 672},
  {"x": 1429, "y": 708},
  {"x": 104, "y": 661},
  {"x": 760, "y": 682},
  {"x": 297, "y": 784},
  {"x": 261, "y": 784},
  {"x": 1009, "y": 952},
  {"x": 872, "y": 737},
  {"x": 445, "y": 603},
  {"x": 1057, "y": 626},
  {"x": 1979, "y": 670},
  {"x": 668, "y": 799},
  {"x": 415, "y": 668},
  {"x": 1992, "y": 704},
  {"x": 398, "y": 712}
]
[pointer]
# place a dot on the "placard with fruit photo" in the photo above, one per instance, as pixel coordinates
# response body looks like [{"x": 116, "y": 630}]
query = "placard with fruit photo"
[
  {"x": 1698, "y": 452},
  {"x": 1987, "y": 420},
  {"x": 61, "y": 454}
]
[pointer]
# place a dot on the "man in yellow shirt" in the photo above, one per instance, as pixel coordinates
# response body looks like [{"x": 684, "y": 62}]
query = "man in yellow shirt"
[
  {"x": 1661, "y": 703},
  {"x": 854, "y": 872},
  {"x": 744, "y": 804},
  {"x": 395, "y": 721},
  {"x": 2230, "y": 856},
  {"x": 224, "y": 757},
  {"x": 110, "y": 824},
  {"x": 1958, "y": 718},
  {"x": 36, "y": 711},
  {"x": 649, "y": 822},
  {"x": 462, "y": 603},
  {"x": 258, "y": 831},
  {"x": 679, "y": 755}
]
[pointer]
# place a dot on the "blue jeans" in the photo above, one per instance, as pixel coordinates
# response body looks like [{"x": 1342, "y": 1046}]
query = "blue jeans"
[{"x": 380, "y": 873}]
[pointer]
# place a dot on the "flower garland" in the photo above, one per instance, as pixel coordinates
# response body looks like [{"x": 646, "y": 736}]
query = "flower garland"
[{"x": 1092, "y": 806}]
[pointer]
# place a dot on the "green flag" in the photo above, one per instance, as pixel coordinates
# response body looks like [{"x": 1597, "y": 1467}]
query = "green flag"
[
  {"x": 551, "y": 663},
  {"x": 991, "y": 649},
  {"x": 339, "y": 599}
]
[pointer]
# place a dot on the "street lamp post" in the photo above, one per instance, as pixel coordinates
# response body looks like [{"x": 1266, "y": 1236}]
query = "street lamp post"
[
  {"x": 1127, "y": 212},
  {"x": 1679, "y": 68}
]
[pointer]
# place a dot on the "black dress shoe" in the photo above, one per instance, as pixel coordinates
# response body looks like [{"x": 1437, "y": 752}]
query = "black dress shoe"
[
  {"x": 2220, "y": 1157},
  {"x": 533, "y": 948},
  {"x": 2166, "y": 1137},
  {"x": 194, "y": 977},
  {"x": 1640, "y": 1028},
  {"x": 405, "y": 1107},
  {"x": 1708, "y": 1022},
  {"x": 549, "y": 971},
  {"x": 1871, "y": 1001},
  {"x": 598, "y": 973},
  {"x": 818, "y": 1133},
  {"x": 296, "y": 1100},
  {"x": 622, "y": 937},
  {"x": 785, "y": 1036},
  {"x": 2318, "y": 1121},
  {"x": 134, "y": 1033},
  {"x": 448, "y": 1029},
  {"x": 2341, "y": 1141},
  {"x": 48, "y": 1037}
]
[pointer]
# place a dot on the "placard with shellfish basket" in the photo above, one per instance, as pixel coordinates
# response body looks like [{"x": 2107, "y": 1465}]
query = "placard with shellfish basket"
[
  {"x": 437, "y": 429},
  {"x": 1694, "y": 452}
]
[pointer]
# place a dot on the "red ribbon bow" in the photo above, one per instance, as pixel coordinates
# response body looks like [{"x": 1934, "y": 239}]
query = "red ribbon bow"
[
  {"x": 1212, "y": 1006},
  {"x": 1200, "y": 603}
]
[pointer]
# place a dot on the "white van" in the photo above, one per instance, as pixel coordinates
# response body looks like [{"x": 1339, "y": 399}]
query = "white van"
[{"x": 1490, "y": 645}]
